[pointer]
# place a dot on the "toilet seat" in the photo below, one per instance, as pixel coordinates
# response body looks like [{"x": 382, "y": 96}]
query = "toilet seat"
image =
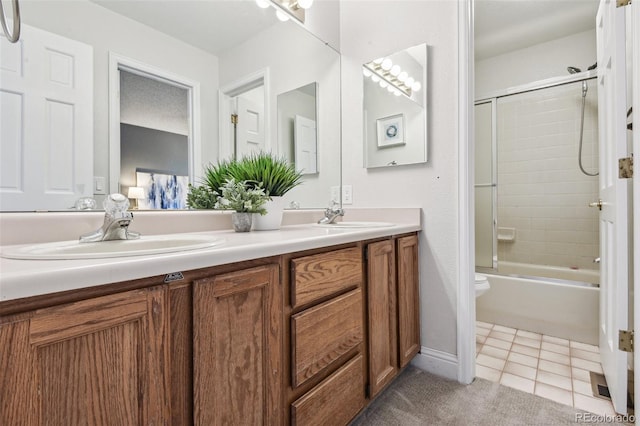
[{"x": 482, "y": 284}]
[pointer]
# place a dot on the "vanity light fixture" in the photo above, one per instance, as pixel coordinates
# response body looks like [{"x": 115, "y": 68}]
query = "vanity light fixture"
[
  {"x": 284, "y": 8},
  {"x": 391, "y": 77},
  {"x": 282, "y": 17}
]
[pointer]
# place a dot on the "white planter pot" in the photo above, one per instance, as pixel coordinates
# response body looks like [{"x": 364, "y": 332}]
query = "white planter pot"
[{"x": 273, "y": 219}]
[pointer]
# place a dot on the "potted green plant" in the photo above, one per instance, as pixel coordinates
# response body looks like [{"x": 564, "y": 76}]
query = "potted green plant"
[
  {"x": 201, "y": 197},
  {"x": 277, "y": 176},
  {"x": 205, "y": 195},
  {"x": 216, "y": 175},
  {"x": 246, "y": 198}
]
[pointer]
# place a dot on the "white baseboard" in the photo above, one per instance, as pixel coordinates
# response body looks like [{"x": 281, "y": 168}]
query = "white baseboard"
[{"x": 437, "y": 362}]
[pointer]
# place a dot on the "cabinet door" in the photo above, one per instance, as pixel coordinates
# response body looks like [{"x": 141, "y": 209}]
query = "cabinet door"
[
  {"x": 408, "y": 299},
  {"x": 383, "y": 340},
  {"x": 97, "y": 361},
  {"x": 237, "y": 348}
]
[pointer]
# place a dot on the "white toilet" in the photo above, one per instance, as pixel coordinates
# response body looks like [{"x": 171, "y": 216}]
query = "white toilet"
[{"x": 482, "y": 285}]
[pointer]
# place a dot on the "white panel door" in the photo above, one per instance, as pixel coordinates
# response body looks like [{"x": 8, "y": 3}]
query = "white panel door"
[
  {"x": 614, "y": 284},
  {"x": 306, "y": 145},
  {"x": 250, "y": 128},
  {"x": 635, "y": 118},
  {"x": 46, "y": 121}
]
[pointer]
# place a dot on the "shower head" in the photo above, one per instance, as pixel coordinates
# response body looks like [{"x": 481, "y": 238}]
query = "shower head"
[{"x": 573, "y": 70}]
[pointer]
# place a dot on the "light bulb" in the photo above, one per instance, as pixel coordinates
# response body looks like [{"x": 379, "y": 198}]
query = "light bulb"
[
  {"x": 383, "y": 84},
  {"x": 403, "y": 76},
  {"x": 375, "y": 78},
  {"x": 305, "y": 4},
  {"x": 263, "y": 4},
  {"x": 386, "y": 64},
  {"x": 395, "y": 70},
  {"x": 391, "y": 89},
  {"x": 416, "y": 86},
  {"x": 378, "y": 61},
  {"x": 409, "y": 81},
  {"x": 366, "y": 72},
  {"x": 397, "y": 92},
  {"x": 282, "y": 16}
]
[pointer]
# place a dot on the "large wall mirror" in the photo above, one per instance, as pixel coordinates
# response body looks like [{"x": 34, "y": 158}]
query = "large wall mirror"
[
  {"x": 395, "y": 108},
  {"x": 100, "y": 96}
]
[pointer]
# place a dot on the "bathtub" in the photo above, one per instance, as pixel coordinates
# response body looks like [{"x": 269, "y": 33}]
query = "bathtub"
[
  {"x": 591, "y": 276},
  {"x": 544, "y": 306}
]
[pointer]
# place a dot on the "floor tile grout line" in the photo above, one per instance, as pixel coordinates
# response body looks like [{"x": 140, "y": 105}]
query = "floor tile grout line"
[{"x": 538, "y": 360}]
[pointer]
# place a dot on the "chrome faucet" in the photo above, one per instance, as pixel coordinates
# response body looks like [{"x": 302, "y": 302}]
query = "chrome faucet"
[
  {"x": 116, "y": 222},
  {"x": 331, "y": 213}
]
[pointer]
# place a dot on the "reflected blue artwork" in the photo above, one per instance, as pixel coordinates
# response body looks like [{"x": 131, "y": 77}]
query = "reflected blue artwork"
[{"x": 162, "y": 191}]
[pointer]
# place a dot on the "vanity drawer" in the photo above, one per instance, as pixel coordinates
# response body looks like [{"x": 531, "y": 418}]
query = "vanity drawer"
[
  {"x": 321, "y": 275},
  {"x": 336, "y": 400},
  {"x": 323, "y": 334}
]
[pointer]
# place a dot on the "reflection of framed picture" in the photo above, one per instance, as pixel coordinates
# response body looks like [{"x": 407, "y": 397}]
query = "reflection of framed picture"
[
  {"x": 391, "y": 131},
  {"x": 162, "y": 190}
]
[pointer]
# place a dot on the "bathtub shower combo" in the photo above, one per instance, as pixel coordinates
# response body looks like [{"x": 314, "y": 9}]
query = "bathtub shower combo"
[{"x": 537, "y": 239}]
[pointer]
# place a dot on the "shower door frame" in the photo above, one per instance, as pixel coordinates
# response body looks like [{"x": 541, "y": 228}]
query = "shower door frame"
[{"x": 494, "y": 181}]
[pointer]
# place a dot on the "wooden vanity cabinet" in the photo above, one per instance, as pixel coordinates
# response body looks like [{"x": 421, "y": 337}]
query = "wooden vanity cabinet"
[
  {"x": 393, "y": 308},
  {"x": 293, "y": 339},
  {"x": 325, "y": 335},
  {"x": 96, "y": 361}
]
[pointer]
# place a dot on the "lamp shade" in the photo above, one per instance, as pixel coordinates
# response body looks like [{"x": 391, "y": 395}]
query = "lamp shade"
[{"x": 135, "y": 192}]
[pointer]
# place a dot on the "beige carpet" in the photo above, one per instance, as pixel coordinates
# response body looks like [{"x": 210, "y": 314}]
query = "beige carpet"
[{"x": 420, "y": 398}]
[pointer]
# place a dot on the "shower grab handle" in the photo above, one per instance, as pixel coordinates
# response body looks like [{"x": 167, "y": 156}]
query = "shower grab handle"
[{"x": 485, "y": 185}]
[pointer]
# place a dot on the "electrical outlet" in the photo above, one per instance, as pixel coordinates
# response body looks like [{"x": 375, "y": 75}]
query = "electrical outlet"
[
  {"x": 99, "y": 186},
  {"x": 347, "y": 194},
  {"x": 335, "y": 194}
]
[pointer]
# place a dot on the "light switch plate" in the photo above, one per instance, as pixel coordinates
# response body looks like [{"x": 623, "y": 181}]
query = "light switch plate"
[
  {"x": 335, "y": 194},
  {"x": 347, "y": 194},
  {"x": 99, "y": 186}
]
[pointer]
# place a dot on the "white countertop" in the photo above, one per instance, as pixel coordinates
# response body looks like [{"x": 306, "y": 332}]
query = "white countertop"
[{"x": 25, "y": 278}]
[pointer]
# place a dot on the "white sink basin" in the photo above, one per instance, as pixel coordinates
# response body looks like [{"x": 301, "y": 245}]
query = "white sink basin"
[
  {"x": 152, "y": 244},
  {"x": 351, "y": 224}
]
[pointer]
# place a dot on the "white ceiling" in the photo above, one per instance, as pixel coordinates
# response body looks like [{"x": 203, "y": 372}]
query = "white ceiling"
[
  {"x": 502, "y": 26},
  {"x": 212, "y": 25}
]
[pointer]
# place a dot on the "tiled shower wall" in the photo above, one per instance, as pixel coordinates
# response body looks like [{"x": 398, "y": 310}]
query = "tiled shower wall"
[{"x": 541, "y": 191}]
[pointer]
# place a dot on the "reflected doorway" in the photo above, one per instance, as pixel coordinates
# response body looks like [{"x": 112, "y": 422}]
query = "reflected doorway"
[{"x": 153, "y": 133}]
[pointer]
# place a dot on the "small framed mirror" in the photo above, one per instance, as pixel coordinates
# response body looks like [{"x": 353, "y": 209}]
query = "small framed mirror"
[{"x": 395, "y": 108}]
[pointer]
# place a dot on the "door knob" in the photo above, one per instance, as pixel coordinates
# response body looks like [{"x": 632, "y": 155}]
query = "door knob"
[{"x": 597, "y": 204}]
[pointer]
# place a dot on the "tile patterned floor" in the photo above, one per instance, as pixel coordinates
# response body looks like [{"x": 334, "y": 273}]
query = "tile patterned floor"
[{"x": 550, "y": 367}]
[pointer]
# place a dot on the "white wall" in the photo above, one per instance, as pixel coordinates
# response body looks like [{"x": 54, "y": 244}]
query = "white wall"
[
  {"x": 535, "y": 63},
  {"x": 323, "y": 20},
  {"x": 432, "y": 186},
  {"x": 295, "y": 58},
  {"x": 107, "y": 31}
]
